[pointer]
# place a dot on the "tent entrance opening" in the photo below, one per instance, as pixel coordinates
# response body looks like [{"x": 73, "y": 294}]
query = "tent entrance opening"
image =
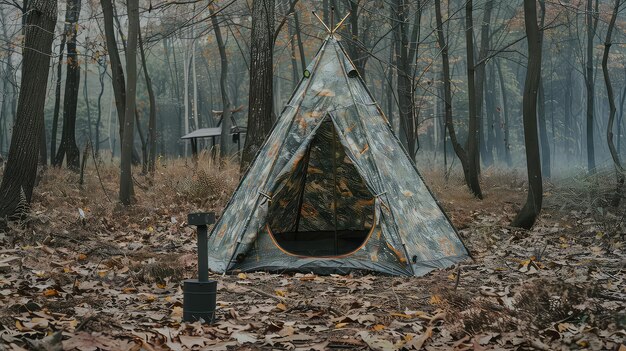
[{"x": 323, "y": 208}]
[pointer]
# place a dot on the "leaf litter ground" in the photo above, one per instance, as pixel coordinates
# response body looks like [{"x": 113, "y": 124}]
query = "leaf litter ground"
[{"x": 83, "y": 273}]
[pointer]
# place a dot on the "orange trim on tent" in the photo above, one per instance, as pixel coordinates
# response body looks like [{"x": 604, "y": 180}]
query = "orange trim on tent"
[{"x": 367, "y": 238}]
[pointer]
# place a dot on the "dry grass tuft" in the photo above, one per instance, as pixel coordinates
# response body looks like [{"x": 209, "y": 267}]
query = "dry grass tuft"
[
  {"x": 205, "y": 183},
  {"x": 160, "y": 269},
  {"x": 543, "y": 303},
  {"x": 537, "y": 305},
  {"x": 469, "y": 314}
]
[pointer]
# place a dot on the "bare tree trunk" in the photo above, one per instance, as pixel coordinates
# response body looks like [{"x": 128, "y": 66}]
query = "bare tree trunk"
[
  {"x": 528, "y": 214},
  {"x": 408, "y": 128},
  {"x": 186, "y": 99},
  {"x": 126, "y": 176},
  {"x": 260, "y": 116},
  {"x": 68, "y": 145},
  {"x": 480, "y": 77},
  {"x": 295, "y": 72},
  {"x": 389, "y": 93},
  {"x": 176, "y": 89},
  {"x": 225, "y": 141},
  {"x": 355, "y": 47},
  {"x": 568, "y": 102},
  {"x": 152, "y": 135},
  {"x": 43, "y": 149},
  {"x": 18, "y": 181},
  {"x": 473, "y": 135},
  {"x": 118, "y": 83},
  {"x": 57, "y": 94},
  {"x": 620, "y": 119},
  {"x": 86, "y": 94},
  {"x": 472, "y": 182},
  {"x": 589, "y": 83},
  {"x": 543, "y": 129},
  {"x": 494, "y": 114},
  {"x": 612, "y": 109},
  {"x": 102, "y": 70},
  {"x": 296, "y": 23},
  {"x": 144, "y": 144},
  {"x": 4, "y": 129},
  {"x": 505, "y": 123}
]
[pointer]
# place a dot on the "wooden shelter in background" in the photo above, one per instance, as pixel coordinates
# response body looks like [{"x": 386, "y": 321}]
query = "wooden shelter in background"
[{"x": 236, "y": 132}]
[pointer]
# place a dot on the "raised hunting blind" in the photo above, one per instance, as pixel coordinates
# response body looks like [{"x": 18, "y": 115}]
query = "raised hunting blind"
[{"x": 332, "y": 190}]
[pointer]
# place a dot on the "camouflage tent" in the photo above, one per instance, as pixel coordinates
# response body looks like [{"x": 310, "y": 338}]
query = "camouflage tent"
[{"x": 332, "y": 190}]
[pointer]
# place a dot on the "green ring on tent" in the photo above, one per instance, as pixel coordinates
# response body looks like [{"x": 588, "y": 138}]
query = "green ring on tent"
[{"x": 307, "y": 74}]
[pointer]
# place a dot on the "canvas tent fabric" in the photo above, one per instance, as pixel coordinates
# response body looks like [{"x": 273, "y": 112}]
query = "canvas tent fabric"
[{"x": 332, "y": 190}]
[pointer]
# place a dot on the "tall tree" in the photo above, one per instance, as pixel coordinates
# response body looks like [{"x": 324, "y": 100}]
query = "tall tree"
[
  {"x": 406, "y": 108},
  {"x": 152, "y": 134},
  {"x": 68, "y": 148},
  {"x": 591, "y": 24},
  {"x": 225, "y": 141},
  {"x": 541, "y": 108},
  {"x": 528, "y": 214},
  {"x": 126, "y": 176},
  {"x": 18, "y": 181},
  {"x": 462, "y": 154},
  {"x": 486, "y": 144},
  {"x": 473, "y": 134},
  {"x": 102, "y": 70},
  {"x": 260, "y": 116},
  {"x": 505, "y": 122},
  {"x": 612, "y": 109},
  {"x": 57, "y": 91},
  {"x": 117, "y": 72}
]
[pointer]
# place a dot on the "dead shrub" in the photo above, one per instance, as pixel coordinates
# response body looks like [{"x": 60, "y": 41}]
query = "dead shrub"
[{"x": 159, "y": 270}]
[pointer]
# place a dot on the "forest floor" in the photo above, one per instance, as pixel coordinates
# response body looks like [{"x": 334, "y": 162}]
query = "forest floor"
[{"x": 82, "y": 272}]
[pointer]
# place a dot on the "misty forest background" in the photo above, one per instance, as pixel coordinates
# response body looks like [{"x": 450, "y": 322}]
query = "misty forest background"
[
  {"x": 393, "y": 43},
  {"x": 513, "y": 112}
]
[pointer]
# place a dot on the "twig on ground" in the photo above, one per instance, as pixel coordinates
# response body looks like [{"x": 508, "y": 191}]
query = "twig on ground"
[
  {"x": 84, "y": 322},
  {"x": 266, "y": 294}
]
